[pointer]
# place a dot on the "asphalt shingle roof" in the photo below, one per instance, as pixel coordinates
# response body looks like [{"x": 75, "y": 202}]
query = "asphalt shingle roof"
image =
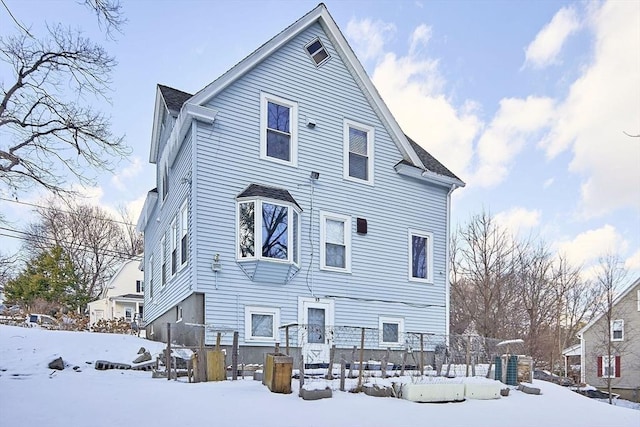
[
  {"x": 430, "y": 162},
  {"x": 174, "y": 97},
  {"x": 257, "y": 190}
]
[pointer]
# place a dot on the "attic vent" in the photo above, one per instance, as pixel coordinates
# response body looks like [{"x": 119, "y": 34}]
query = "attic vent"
[{"x": 317, "y": 51}]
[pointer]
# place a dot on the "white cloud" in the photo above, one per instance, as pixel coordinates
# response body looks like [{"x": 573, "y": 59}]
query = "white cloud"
[
  {"x": 121, "y": 179},
  {"x": 412, "y": 87},
  {"x": 544, "y": 49},
  {"x": 548, "y": 183},
  {"x": 589, "y": 246},
  {"x": 633, "y": 262},
  {"x": 600, "y": 105},
  {"x": 368, "y": 37},
  {"x": 516, "y": 121},
  {"x": 518, "y": 219},
  {"x": 419, "y": 38}
]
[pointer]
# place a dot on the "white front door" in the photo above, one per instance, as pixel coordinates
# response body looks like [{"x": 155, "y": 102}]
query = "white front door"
[{"x": 316, "y": 334}]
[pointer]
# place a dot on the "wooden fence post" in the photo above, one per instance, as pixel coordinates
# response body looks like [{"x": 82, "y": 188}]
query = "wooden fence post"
[
  {"x": 168, "y": 355},
  {"x": 332, "y": 354},
  {"x": 286, "y": 337},
  {"x": 421, "y": 354},
  {"x": 361, "y": 366},
  {"x": 343, "y": 367},
  {"x": 234, "y": 357},
  {"x": 301, "y": 371},
  {"x": 353, "y": 359}
]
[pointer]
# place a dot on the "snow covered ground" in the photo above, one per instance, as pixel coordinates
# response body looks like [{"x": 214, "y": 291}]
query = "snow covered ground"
[{"x": 33, "y": 395}]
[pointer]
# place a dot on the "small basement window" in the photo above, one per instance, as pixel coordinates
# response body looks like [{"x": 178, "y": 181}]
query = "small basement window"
[{"x": 317, "y": 51}]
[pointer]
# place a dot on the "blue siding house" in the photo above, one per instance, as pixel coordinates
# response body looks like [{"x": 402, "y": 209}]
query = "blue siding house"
[{"x": 287, "y": 194}]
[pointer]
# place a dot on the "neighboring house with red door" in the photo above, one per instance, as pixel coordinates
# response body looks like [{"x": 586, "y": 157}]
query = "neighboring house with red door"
[
  {"x": 123, "y": 297},
  {"x": 623, "y": 364}
]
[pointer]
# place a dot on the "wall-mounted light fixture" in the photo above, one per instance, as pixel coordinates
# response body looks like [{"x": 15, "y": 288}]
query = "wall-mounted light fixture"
[
  {"x": 216, "y": 266},
  {"x": 311, "y": 123},
  {"x": 315, "y": 175}
]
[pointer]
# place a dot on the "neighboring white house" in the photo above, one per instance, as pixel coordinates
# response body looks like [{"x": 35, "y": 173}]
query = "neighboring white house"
[{"x": 123, "y": 296}]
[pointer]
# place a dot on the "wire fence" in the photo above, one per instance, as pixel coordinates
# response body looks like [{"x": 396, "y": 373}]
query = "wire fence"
[{"x": 321, "y": 352}]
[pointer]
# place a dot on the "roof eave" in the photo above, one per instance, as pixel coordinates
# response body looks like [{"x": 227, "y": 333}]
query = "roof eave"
[
  {"x": 157, "y": 116},
  {"x": 425, "y": 175}
]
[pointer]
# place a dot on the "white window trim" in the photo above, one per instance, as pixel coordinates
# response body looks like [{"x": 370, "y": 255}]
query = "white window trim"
[
  {"x": 347, "y": 241},
  {"x": 179, "y": 313},
  {"x": 612, "y": 323},
  {"x": 429, "y": 236},
  {"x": 174, "y": 245},
  {"x": 163, "y": 261},
  {"x": 606, "y": 361},
  {"x": 164, "y": 181},
  {"x": 151, "y": 278},
  {"x": 323, "y": 47},
  {"x": 184, "y": 231},
  {"x": 272, "y": 311},
  {"x": 130, "y": 310},
  {"x": 397, "y": 320},
  {"x": 370, "y": 150},
  {"x": 293, "y": 128},
  {"x": 257, "y": 236}
]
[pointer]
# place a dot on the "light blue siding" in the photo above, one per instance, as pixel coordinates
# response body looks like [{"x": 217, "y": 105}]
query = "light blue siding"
[
  {"x": 228, "y": 159},
  {"x": 177, "y": 287}
]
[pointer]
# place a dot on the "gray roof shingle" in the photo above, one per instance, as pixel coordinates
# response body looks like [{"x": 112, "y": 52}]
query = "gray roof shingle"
[
  {"x": 257, "y": 190},
  {"x": 174, "y": 97},
  {"x": 430, "y": 162}
]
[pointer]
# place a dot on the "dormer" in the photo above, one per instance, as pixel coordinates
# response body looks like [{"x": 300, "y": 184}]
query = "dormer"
[{"x": 169, "y": 102}]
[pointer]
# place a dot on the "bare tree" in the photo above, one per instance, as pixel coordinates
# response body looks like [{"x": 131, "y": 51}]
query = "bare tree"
[
  {"x": 96, "y": 242},
  {"x": 48, "y": 127},
  {"x": 610, "y": 276},
  {"x": 535, "y": 291},
  {"x": 482, "y": 258}
]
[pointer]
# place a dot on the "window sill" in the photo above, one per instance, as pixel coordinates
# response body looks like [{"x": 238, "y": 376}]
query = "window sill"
[
  {"x": 417, "y": 280},
  {"x": 335, "y": 270},
  {"x": 292, "y": 164},
  {"x": 368, "y": 182}
]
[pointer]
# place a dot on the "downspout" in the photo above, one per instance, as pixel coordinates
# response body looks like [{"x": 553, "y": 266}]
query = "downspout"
[{"x": 447, "y": 260}]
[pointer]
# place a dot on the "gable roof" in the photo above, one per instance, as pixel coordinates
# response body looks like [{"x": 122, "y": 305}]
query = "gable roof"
[
  {"x": 430, "y": 163},
  {"x": 615, "y": 302},
  {"x": 410, "y": 151},
  {"x": 173, "y": 98}
]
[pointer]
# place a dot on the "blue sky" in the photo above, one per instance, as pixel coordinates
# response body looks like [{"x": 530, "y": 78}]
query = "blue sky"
[{"x": 526, "y": 101}]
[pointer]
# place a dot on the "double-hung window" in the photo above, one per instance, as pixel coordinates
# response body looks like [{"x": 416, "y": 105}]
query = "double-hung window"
[
  {"x": 358, "y": 152},
  {"x": 184, "y": 228},
  {"x": 278, "y": 129},
  {"x": 335, "y": 242},
  {"x": 261, "y": 323},
  {"x": 165, "y": 181},
  {"x": 617, "y": 330},
  {"x": 150, "y": 277},
  {"x": 391, "y": 331},
  {"x": 268, "y": 230},
  {"x": 420, "y": 256},
  {"x": 174, "y": 246},
  {"x": 609, "y": 367},
  {"x": 163, "y": 262}
]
